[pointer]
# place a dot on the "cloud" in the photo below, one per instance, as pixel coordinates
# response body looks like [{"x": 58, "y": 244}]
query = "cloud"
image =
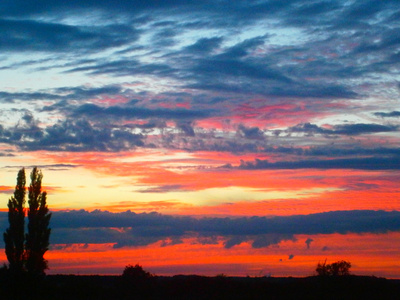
[
  {"x": 342, "y": 129},
  {"x": 131, "y": 124},
  {"x": 356, "y": 129},
  {"x": 308, "y": 242},
  {"x": 53, "y": 167},
  {"x": 370, "y": 163},
  {"x": 234, "y": 241},
  {"x": 136, "y": 112},
  {"x": 267, "y": 240},
  {"x": 335, "y": 151},
  {"x": 6, "y": 189},
  {"x": 165, "y": 189},
  {"x": 69, "y": 135},
  {"x": 20, "y": 8},
  {"x": 62, "y": 95},
  {"x": 250, "y": 133},
  {"x": 186, "y": 128},
  {"x": 126, "y": 67},
  {"x": 204, "y": 45},
  {"x": 131, "y": 229},
  {"x": 236, "y": 70},
  {"x": 32, "y": 35},
  {"x": 392, "y": 114}
]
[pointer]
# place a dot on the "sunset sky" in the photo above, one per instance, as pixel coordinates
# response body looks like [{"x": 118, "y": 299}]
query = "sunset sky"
[{"x": 205, "y": 137}]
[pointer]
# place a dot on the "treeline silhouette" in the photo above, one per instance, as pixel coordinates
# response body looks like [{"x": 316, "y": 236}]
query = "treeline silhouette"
[{"x": 65, "y": 287}]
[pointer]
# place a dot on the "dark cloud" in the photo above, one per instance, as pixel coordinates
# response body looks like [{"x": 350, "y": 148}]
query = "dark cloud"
[
  {"x": 53, "y": 167},
  {"x": 234, "y": 241},
  {"x": 25, "y": 130},
  {"x": 308, "y": 242},
  {"x": 126, "y": 67},
  {"x": 128, "y": 228},
  {"x": 186, "y": 128},
  {"x": 79, "y": 135},
  {"x": 25, "y": 8},
  {"x": 250, "y": 132},
  {"x": 309, "y": 90},
  {"x": 10, "y": 97},
  {"x": 370, "y": 163},
  {"x": 392, "y": 114},
  {"x": 28, "y": 35},
  {"x": 248, "y": 73},
  {"x": 103, "y": 128},
  {"x": 205, "y": 45},
  {"x": 94, "y": 110},
  {"x": 229, "y": 66},
  {"x": 267, "y": 240},
  {"x": 242, "y": 49},
  {"x": 80, "y": 92},
  {"x": 335, "y": 151},
  {"x": 165, "y": 189},
  {"x": 345, "y": 129},
  {"x": 4, "y": 154},
  {"x": 62, "y": 95},
  {"x": 356, "y": 129},
  {"x": 388, "y": 41}
]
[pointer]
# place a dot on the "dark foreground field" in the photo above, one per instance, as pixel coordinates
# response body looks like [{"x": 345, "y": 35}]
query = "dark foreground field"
[{"x": 197, "y": 287}]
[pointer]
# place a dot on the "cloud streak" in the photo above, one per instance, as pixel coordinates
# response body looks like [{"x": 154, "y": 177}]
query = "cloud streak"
[
  {"x": 343, "y": 129},
  {"x": 147, "y": 228},
  {"x": 370, "y": 163}
]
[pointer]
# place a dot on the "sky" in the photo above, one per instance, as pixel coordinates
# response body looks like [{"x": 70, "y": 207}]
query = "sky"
[{"x": 250, "y": 138}]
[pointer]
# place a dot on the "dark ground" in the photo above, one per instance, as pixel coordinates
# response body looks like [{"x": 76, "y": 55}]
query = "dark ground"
[{"x": 62, "y": 287}]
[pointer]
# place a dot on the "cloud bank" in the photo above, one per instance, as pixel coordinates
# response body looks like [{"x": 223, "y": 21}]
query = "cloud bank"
[{"x": 132, "y": 229}]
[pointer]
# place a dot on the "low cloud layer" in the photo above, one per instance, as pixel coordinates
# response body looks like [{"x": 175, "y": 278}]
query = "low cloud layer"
[{"x": 131, "y": 229}]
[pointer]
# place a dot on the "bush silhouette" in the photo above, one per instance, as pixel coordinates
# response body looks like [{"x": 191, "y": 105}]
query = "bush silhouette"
[
  {"x": 339, "y": 268},
  {"x": 136, "y": 272}
]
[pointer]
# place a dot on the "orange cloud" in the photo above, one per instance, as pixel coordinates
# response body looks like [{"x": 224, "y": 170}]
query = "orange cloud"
[
  {"x": 6, "y": 189},
  {"x": 308, "y": 190}
]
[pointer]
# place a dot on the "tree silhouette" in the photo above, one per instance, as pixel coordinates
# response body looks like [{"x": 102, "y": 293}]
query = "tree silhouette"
[
  {"x": 135, "y": 272},
  {"x": 37, "y": 238},
  {"x": 339, "y": 268},
  {"x": 14, "y": 234}
]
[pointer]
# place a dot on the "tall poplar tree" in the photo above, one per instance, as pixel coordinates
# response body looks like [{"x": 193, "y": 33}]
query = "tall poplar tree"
[
  {"x": 37, "y": 238},
  {"x": 14, "y": 234}
]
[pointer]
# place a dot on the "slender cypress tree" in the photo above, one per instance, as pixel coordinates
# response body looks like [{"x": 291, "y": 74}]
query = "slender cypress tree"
[
  {"x": 37, "y": 238},
  {"x": 14, "y": 234}
]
